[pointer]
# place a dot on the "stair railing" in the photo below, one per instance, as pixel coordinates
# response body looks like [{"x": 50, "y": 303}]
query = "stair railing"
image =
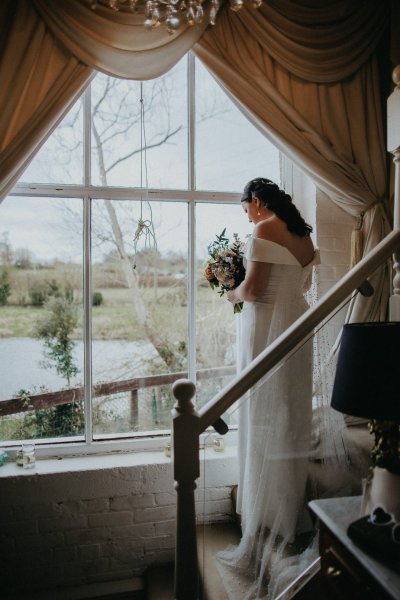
[{"x": 188, "y": 424}]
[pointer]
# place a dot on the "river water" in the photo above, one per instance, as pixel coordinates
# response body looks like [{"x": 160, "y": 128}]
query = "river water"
[{"x": 21, "y": 364}]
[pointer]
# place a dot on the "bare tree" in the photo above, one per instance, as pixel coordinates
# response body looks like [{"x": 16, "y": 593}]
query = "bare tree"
[
  {"x": 115, "y": 115},
  {"x": 6, "y": 253},
  {"x": 118, "y": 116}
]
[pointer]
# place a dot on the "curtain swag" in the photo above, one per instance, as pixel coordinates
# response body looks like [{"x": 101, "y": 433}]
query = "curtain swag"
[
  {"x": 116, "y": 42},
  {"x": 317, "y": 41}
]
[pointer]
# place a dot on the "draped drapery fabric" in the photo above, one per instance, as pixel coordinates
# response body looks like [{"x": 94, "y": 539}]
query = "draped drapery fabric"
[
  {"x": 49, "y": 52},
  {"x": 40, "y": 81},
  {"x": 116, "y": 42},
  {"x": 306, "y": 75}
]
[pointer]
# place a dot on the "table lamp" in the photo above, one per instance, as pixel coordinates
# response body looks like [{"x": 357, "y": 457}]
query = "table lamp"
[{"x": 367, "y": 384}]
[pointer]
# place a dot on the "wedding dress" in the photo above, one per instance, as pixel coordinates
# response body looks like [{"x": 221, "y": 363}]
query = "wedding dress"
[{"x": 274, "y": 425}]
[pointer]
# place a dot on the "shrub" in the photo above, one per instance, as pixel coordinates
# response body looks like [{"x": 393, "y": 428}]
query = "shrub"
[
  {"x": 5, "y": 288},
  {"x": 69, "y": 293},
  {"x": 38, "y": 293},
  {"x": 53, "y": 288},
  {"x": 41, "y": 291},
  {"x": 97, "y": 299},
  {"x": 55, "y": 329}
]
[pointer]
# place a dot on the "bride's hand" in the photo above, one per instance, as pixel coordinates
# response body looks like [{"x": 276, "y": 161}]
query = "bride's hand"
[{"x": 230, "y": 295}]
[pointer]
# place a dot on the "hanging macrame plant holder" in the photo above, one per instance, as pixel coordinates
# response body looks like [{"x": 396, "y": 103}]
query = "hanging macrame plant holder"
[{"x": 145, "y": 227}]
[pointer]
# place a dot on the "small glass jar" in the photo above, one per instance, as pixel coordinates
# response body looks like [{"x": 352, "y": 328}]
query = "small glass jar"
[
  {"x": 19, "y": 457},
  {"x": 218, "y": 443},
  {"x": 28, "y": 455},
  {"x": 167, "y": 450}
]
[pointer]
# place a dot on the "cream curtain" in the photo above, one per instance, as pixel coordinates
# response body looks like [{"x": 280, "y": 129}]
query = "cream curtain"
[
  {"x": 40, "y": 80},
  {"x": 306, "y": 75},
  {"x": 115, "y": 42},
  {"x": 49, "y": 52}
]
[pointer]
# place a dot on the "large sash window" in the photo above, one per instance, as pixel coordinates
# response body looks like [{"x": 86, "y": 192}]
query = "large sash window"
[{"x": 102, "y": 245}]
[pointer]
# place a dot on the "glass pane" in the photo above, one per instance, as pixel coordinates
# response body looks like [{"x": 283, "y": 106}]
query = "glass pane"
[
  {"x": 41, "y": 345},
  {"x": 229, "y": 150},
  {"x": 216, "y": 321},
  {"x": 60, "y": 160},
  {"x": 139, "y": 313},
  {"x": 117, "y": 159}
]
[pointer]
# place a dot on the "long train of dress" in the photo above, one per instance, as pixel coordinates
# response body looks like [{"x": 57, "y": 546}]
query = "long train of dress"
[{"x": 274, "y": 424}]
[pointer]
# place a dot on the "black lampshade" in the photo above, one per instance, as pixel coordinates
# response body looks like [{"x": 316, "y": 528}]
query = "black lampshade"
[{"x": 368, "y": 371}]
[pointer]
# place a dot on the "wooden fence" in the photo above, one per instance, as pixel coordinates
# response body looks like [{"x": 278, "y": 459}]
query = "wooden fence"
[{"x": 50, "y": 399}]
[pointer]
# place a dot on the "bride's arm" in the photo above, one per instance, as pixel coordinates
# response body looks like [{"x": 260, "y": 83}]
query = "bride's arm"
[{"x": 253, "y": 285}]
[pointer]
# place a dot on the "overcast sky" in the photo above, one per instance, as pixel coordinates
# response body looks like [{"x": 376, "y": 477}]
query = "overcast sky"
[{"x": 229, "y": 152}]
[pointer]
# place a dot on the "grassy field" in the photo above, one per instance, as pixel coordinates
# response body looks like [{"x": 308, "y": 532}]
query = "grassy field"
[{"x": 116, "y": 318}]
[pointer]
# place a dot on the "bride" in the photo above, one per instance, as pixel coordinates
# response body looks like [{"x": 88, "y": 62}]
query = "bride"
[{"x": 274, "y": 416}]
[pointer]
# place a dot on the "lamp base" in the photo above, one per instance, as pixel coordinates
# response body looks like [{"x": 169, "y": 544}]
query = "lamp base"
[{"x": 382, "y": 490}]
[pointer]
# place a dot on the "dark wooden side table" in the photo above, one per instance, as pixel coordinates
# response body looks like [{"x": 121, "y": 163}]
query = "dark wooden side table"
[{"x": 346, "y": 570}]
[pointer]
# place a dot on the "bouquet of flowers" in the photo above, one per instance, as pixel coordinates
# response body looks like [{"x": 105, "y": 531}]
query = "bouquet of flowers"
[{"x": 224, "y": 268}]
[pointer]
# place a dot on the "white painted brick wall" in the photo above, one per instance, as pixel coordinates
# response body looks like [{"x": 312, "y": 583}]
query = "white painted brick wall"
[
  {"x": 105, "y": 520},
  {"x": 333, "y": 239},
  {"x": 334, "y": 227}
]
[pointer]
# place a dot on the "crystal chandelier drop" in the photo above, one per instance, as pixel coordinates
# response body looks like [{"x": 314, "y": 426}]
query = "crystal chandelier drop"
[{"x": 172, "y": 13}]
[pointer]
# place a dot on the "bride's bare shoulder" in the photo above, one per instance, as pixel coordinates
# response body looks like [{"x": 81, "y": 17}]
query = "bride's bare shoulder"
[{"x": 269, "y": 229}]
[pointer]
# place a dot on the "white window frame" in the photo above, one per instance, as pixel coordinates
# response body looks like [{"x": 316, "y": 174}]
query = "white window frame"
[{"x": 142, "y": 441}]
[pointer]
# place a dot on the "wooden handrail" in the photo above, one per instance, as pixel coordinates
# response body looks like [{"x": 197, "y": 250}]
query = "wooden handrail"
[
  {"x": 49, "y": 399},
  {"x": 291, "y": 338},
  {"x": 189, "y": 423}
]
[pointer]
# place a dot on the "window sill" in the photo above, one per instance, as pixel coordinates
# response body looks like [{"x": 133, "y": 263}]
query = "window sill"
[{"x": 114, "y": 460}]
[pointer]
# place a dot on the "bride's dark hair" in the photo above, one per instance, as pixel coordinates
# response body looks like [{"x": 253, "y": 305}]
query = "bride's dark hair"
[{"x": 279, "y": 202}]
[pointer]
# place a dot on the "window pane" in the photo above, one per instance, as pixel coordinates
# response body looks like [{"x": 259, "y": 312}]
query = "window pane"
[
  {"x": 117, "y": 159},
  {"x": 229, "y": 150},
  {"x": 216, "y": 321},
  {"x": 60, "y": 160},
  {"x": 41, "y": 344},
  {"x": 140, "y": 315}
]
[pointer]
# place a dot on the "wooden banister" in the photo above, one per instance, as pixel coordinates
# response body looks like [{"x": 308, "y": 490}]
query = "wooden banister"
[
  {"x": 188, "y": 424},
  {"x": 185, "y": 427}
]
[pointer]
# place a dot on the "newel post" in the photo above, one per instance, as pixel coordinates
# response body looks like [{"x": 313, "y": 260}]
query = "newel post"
[
  {"x": 393, "y": 146},
  {"x": 185, "y": 427}
]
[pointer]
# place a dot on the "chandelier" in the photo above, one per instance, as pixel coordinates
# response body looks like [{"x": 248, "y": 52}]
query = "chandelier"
[{"x": 172, "y": 13}]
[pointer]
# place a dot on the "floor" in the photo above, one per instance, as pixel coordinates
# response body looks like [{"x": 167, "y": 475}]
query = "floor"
[
  {"x": 124, "y": 592},
  {"x": 160, "y": 583}
]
